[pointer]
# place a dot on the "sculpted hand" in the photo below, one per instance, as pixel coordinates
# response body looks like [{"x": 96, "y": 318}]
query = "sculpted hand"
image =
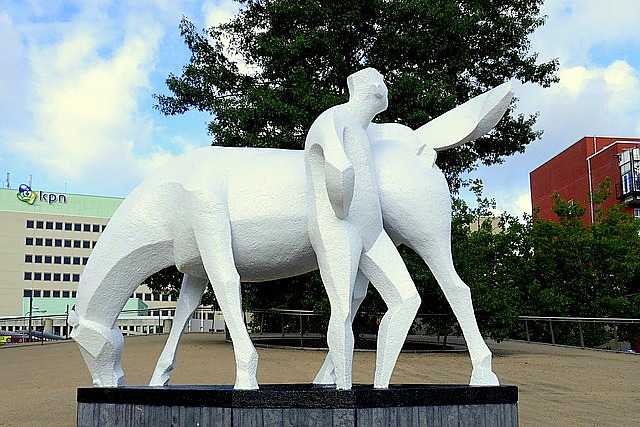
[{"x": 340, "y": 183}]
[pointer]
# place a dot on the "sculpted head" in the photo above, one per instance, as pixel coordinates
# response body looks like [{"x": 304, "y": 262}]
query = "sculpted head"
[{"x": 367, "y": 88}]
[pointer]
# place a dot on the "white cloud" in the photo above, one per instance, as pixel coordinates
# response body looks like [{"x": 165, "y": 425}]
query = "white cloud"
[
  {"x": 576, "y": 30},
  {"x": 219, "y": 12},
  {"x": 87, "y": 80},
  {"x": 597, "y": 44}
]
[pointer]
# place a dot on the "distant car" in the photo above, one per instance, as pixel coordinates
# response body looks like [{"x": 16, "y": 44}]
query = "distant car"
[{"x": 5, "y": 339}]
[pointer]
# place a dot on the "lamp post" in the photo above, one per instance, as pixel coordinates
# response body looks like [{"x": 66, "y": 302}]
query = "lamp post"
[{"x": 33, "y": 309}]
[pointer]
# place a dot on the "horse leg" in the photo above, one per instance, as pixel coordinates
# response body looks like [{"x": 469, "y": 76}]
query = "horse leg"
[
  {"x": 212, "y": 231},
  {"x": 458, "y": 295},
  {"x": 191, "y": 292},
  {"x": 385, "y": 269},
  {"x": 326, "y": 374}
]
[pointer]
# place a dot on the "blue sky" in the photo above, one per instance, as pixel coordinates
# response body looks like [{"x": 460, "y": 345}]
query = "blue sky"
[{"x": 76, "y": 79}]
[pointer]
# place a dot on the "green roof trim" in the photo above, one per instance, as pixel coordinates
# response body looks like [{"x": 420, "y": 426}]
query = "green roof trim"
[{"x": 46, "y": 202}]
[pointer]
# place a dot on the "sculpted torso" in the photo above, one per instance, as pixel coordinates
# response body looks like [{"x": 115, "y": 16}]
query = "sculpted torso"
[
  {"x": 260, "y": 199},
  {"x": 364, "y": 210}
]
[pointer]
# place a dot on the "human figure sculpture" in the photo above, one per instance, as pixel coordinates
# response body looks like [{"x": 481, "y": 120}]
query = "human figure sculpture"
[
  {"x": 345, "y": 227},
  {"x": 183, "y": 215}
]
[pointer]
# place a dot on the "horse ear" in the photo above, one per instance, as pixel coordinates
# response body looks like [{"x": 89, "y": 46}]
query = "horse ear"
[{"x": 466, "y": 122}]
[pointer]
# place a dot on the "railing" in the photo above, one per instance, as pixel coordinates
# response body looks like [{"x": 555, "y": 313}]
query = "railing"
[
  {"x": 595, "y": 332},
  {"x": 307, "y": 328},
  {"x": 35, "y": 328}
]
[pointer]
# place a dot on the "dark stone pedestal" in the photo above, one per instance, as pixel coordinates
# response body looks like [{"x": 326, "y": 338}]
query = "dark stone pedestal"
[{"x": 299, "y": 405}]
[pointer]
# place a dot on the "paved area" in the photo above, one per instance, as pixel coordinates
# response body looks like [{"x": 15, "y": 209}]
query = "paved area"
[{"x": 558, "y": 386}]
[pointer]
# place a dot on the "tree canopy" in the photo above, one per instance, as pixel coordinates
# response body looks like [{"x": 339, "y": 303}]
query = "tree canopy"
[{"x": 269, "y": 72}]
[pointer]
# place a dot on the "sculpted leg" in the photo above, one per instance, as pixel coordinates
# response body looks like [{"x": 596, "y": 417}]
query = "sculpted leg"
[
  {"x": 213, "y": 236},
  {"x": 338, "y": 264},
  {"x": 326, "y": 374},
  {"x": 459, "y": 297},
  {"x": 385, "y": 269},
  {"x": 190, "y": 293}
]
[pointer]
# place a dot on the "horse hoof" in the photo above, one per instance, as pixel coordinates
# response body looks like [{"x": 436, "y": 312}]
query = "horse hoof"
[{"x": 484, "y": 377}]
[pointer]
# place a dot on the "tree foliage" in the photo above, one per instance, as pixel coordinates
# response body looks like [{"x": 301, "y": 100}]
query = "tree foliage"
[{"x": 269, "y": 72}]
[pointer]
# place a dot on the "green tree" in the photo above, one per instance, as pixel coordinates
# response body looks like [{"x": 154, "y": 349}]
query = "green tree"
[
  {"x": 290, "y": 60},
  {"x": 584, "y": 271},
  {"x": 269, "y": 72}
]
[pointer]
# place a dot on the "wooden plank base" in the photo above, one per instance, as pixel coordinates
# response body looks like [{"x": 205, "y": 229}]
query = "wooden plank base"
[{"x": 299, "y": 404}]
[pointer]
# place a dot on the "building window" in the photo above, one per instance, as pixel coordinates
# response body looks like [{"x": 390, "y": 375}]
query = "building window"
[
  {"x": 48, "y": 242},
  {"x": 76, "y": 260},
  {"x": 93, "y": 244},
  {"x": 47, "y": 259},
  {"x": 38, "y": 259},
  {"x": 38, "y": 241},
  {"x": 139, "y": 296},
  {"x": 165, "y": 297},
  {"x": 77, "y": 227},
  {"x": 56, "y": 277},
  {"x": 636, "y": 213},
  {"x": 87, "y": 227},
  {"x": 67, "y": 260},
  {"x": 40, "y": 224},
  {"x": 73, "y": 294},
  {"x": 49, "y": 225},
  {"x": 37, "y": 293},
  {"x": 28, "y": 258},
  {"x": 174, "y": 298},
  {"x": 103, "y": 227},
  {"x": 29, "y": 223},
  {"x": 147, "y": 297},
  {"x": 76, "y": 277},
  {"x": 57, "y": 259},
  {"x": 58, "y": 226},
  {"x": 28, "y": 241},
  {"x": 96, "y": 228},
  {"x": 46, "y": 294},
  {"x": 47, "y": 277},
  {"x": 56, "y": 294},
  {"x": 67, "y": 243},
  {"x": 67, "y": 226},
  {"x": 26, "y": 293},
  {"x": 65, "y": 294},
  {"x": 165, "y": 313},
  {"x": 37, "y": 276},
  {"x": 66, "y": 277},
  {"x": 85, "y": 260},
  {"x": 76, "y": 243},
  {"x": 86, "y": 244},
  {"x": 27, "y": 275},
  {"x": 58, "y": 243},
  {"x": 156, "y": 297}
]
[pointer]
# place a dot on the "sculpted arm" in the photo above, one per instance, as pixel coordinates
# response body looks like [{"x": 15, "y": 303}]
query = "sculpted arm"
[{"x": 339, "y": 176}]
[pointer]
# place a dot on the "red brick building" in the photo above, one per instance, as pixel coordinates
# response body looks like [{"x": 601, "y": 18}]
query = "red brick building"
[{"x": 579, "y": 169}]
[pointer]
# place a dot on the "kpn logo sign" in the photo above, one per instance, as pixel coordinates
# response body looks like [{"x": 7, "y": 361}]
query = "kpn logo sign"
[{"x": 27, "y": 195}]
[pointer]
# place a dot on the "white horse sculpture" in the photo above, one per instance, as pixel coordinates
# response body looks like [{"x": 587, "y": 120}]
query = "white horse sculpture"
[{"x": 229, "y": 214}]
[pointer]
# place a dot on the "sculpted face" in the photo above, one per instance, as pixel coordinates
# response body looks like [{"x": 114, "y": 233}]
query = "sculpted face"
[
  {"x": 367, "y": 86},
  {"x": 380, "y": 90}
]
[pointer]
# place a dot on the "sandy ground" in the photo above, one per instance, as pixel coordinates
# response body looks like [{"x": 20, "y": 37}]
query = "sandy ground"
[{"x": 558, "y": 386}]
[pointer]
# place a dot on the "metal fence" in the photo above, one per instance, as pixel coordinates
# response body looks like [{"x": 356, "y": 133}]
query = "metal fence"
[
  {"x": 593, "y": 332},
  {"x": 305, "y": 328}
]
